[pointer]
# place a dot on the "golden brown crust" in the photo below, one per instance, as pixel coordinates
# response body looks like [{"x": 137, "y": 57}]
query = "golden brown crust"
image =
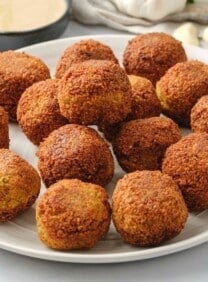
[
  {"x": 75, "y": 151},
  {"x": 95, "y": 92},
  {"x": 181, "y": 87},
  {"x": 186, "y": 163},
  {"x": 4, "y": 129},
  {"x": 81, "y": 51},
  {"x": 199, "y": 115},
  {"x": 141, "y": 144},
  {"x": 17, "y": 72},
  {"x": 151, "y": 55},
  {"x": 72, "y": 214},
  {"x": 19, "y": 185},
  {"x": 148, "y": 208},
  {"x": 145, "y": 103},
  {"x": 38, "y": 111}
]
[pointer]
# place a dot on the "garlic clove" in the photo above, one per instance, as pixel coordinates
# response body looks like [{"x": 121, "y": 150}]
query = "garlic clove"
[
  {"x": 205, "y": 35},
  {"x": 187, "y": 33}
]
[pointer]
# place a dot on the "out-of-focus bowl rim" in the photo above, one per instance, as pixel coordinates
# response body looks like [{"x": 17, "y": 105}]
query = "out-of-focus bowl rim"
[{"x": 41, "y": 28}]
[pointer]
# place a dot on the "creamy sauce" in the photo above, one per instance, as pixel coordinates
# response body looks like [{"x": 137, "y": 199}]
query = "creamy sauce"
[{"x": 23, "y": 15}]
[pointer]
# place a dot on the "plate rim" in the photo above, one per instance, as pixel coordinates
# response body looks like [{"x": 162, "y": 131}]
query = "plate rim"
[{"x": 85, "y": 258}]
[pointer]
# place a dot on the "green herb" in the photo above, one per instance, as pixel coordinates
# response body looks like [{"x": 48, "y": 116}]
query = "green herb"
[{"x": 190, "y": 1}]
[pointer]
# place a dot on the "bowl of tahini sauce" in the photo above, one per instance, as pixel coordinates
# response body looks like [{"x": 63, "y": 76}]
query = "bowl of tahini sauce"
[{"x": 25, "y": 22}]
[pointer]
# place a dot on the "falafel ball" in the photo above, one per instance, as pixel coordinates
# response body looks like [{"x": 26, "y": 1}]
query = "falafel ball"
[
  {"x": 145, "y": 102},
  {"x": 180, "y": 88},
  {"x": 19, "y": 185},
  {"x": 81, "y": 51},
  {"x": 73, "y": 214},
  {"x": 186, "y": 162},
  {"x": 75, "y": 151},
  {"x": 151, "y": 55},
  {"x": 148, "y": 208},
  {"x": 199, "y": 115},
  {"x": 95, "y": 92},
  {"x": 141, "y": 144},
  {"x": 17, "y": 72},
  {"x": 38, "y": 111},
  {"x": 4, "y": 129}
]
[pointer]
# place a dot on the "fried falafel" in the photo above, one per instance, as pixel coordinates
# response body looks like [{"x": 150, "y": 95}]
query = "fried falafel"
[
  {"x": 4, "y": 129},
  {"x": 75, "y": 151},
  {"x": 38, "y": 111},
  {"x": 144, "y": 104},
  {"x": 180, "y": 88},
  {"x": 141, "y": 144},
  {"x": 19, "y": 185},
  {"x": 73, "y": 214},
  {"x": 186, "y": 162},
  {"x": 151, "y": 55},
  {"x": 148, "y": 208},
  {"x": 17, "y": 72},
  {"x": 95, "y": 92},
  {"x": 199, "y": 115},
  {"x": 81, "y": 51}
]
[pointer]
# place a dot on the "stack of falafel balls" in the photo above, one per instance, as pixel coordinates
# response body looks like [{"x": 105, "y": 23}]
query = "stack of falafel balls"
[{"x": 166, "y": 174}]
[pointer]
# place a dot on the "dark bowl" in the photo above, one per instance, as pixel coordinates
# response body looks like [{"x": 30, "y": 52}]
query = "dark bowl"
[{"x": 15, "y": 40}]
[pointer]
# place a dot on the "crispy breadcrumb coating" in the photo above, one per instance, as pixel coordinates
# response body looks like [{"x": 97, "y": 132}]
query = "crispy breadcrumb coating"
[
  {"x": 145, "y": 103},
  {"x": 38, "y": 111},
  {"x": 95, "y": 92},
  {"x": 199, "y": 115},
  {"x": 186, "y": 162},
  {"x": 148, "y": 208},
  {"x": 151, "y": 55},
  {"x": 141, "y": 144},
  {"x": 17, "y": 72},
  {"x": 81, "y": 51},
  {"x": 19, "y": 185},
  {"x": 4, "y": 129},
  {"x": 73, "y": 214},
  {"x": 75, "y": 151},
  {"x": 180, "y": 88}
]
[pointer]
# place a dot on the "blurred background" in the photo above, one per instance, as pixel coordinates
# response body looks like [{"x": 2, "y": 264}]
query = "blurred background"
[{"x": 25, "y": 22}]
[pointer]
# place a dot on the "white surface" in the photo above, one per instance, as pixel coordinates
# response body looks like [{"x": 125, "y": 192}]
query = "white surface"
[
  {"x": 20, "y": 234},
  {"x": 189, "y": 265}
]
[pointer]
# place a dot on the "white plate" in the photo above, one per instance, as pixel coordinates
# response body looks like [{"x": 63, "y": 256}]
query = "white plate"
[{"x": 20, "y": 235}]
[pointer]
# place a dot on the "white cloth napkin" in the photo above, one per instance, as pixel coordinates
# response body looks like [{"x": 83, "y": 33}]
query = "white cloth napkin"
[{"x": 137, "y": 16}]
